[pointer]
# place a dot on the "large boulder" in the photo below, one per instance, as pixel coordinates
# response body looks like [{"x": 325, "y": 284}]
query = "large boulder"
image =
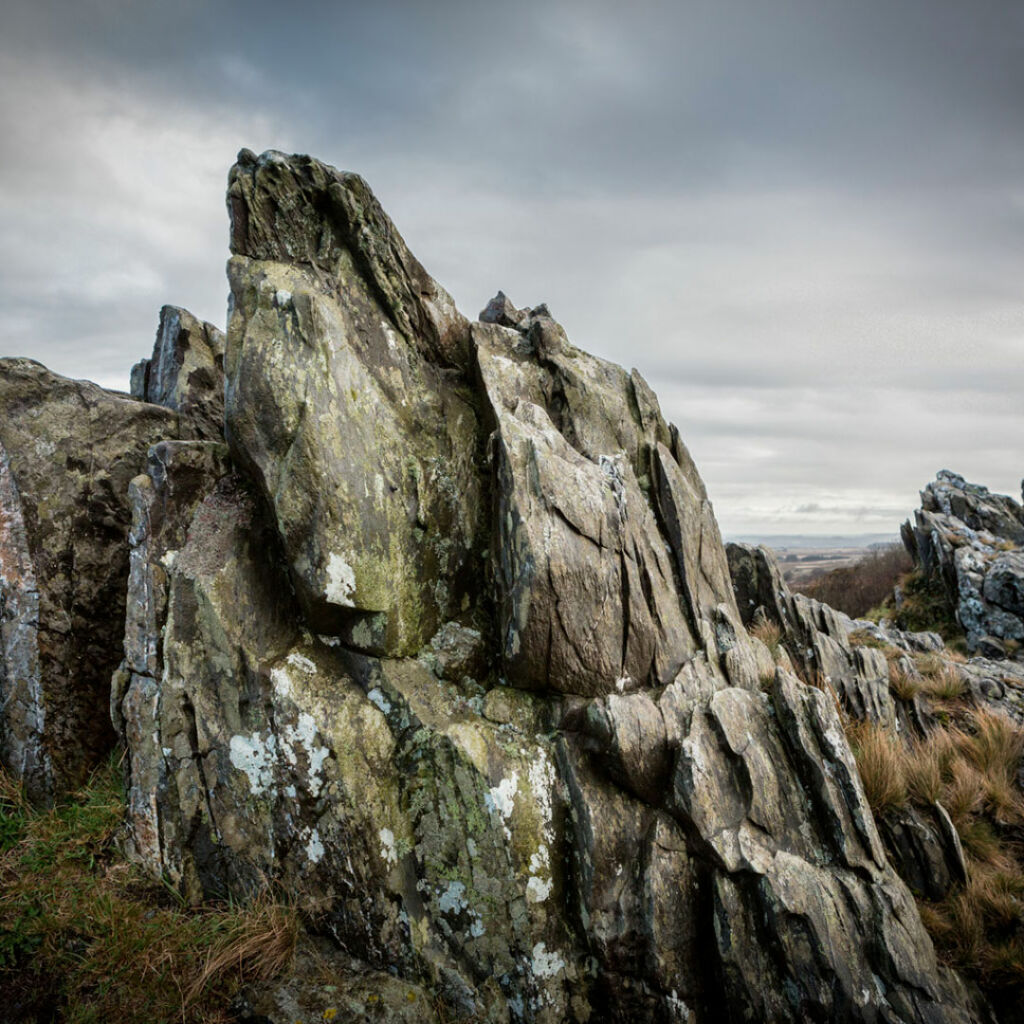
[
  {"x": 68, "y": 450},
  {"x": 348, "y": 401}
]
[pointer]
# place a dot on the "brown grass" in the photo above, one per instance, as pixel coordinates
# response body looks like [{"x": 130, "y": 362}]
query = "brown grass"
[
  {"x": 769, "y": 633},
  {"x": 881, "y": 761},
  {"x": 903, "y": 685},
  {"x": 944, "y": 683},
  {"x": 971, "y": 769}
]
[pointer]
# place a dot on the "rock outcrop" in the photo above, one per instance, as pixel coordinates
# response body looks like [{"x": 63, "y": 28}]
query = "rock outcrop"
[
  {"x": 68, "y": 450},
  {"x": 972, "y": 541},
  {"x": 454, "y": 651},
  {"x": 444, "y": 639}
]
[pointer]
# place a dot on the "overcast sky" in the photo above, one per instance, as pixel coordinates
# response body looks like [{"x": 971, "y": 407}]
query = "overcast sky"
[{"x": 803, "y": 222}]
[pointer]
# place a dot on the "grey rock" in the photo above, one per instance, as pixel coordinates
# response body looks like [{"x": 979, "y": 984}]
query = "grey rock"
[
  {"x": 459, "y": 654},
  {"x": 925, "y": 849},
  {"x": 67, "y": 452},
  {"x": 500, "y": 311},
  {"x": 969, "y": 539},
  {"x": 185, "y": 372}
]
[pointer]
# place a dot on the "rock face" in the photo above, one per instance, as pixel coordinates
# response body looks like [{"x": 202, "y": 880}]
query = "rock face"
[
  {"x": 67, "y": 452},
  {"x": 186, "y": 371},
  {"x": 971, "y": 540},
  {"x": 348, "y": 400},
  {"x": 453, "y": 650}
]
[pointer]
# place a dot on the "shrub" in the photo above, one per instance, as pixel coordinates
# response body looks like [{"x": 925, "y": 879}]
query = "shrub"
[{"x": 926, "y": 607}]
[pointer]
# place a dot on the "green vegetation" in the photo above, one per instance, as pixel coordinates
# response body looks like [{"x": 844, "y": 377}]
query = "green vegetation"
[
  {"x": 86, "y": 938},
  {"x": 925, "y": 607}
]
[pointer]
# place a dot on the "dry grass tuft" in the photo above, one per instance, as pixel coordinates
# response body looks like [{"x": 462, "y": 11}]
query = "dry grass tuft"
[
  {"x": 903, "y": 685},
  {"x": 945, "y": 683},
  {"x": 258, "y": 943},
  {"x": 881, "y": 761},
  {"x": 769, "y": 633}
]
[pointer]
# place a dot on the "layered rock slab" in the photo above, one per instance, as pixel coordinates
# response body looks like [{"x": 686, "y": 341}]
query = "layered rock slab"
[
  {"x": 970, "y": 540},
  {"x": 185, "y": 371},
  {"x": 68, "y": 450}
]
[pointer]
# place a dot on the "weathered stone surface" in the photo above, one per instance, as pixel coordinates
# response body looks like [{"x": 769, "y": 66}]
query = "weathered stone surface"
[
  {"x": 185, "y": 372},
  {"x": 925, "y": 849},
  {"x": 970, "y": 539},
  {"x": 180, "y": 474},
  {"x": 67, "y": 452},
  {"x": 815, "y": 635},
  {"x": 500, "y": 311},
  {"x": 594, "y": 595},
  {"x": 345, "y": 402}
]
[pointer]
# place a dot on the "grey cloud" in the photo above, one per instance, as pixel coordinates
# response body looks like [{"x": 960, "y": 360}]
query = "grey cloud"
[{"x": 803, "y": 222}]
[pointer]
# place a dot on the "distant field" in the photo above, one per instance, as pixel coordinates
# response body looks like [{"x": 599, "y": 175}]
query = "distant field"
[
  {"x": 805, "y": 558},
  {"x": 801, "y": 565}
]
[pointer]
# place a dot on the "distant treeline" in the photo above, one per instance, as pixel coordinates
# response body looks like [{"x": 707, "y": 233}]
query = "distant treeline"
[{"x": 857, "y": 588}]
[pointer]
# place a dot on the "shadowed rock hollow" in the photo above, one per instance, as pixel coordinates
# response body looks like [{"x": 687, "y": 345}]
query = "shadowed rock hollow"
[{"x": 446, "y": 640}]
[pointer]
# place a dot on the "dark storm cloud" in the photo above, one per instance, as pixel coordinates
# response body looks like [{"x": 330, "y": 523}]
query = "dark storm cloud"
[{"x": 803, "y": 221}]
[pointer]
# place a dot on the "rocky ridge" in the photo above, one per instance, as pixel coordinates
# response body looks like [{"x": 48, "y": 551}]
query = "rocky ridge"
[{"x": 442, "y": 636}]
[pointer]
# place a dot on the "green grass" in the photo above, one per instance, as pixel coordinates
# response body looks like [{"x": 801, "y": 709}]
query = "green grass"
[
  {"x": 86, "y": 938},
  {"x": 925, "y": 608}
]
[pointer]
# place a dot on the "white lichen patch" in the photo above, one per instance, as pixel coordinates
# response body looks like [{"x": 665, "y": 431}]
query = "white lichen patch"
[
  {"x": 304, "y": 734},
  {"x": 538, "y": 886},
  {"x": 677, "y": 1008},
  {"x": 453, "y": 899},
  {"x": 255, "y": 756},
  {"x": 314, "y": 847},
  {"x": 538, "y": 889},
  {"x": 341, "y": 582},
  {"x": 387, "y": 846},
  {"x": 545, "y": 964},
  {"x": 376, "y": 697},
  {"x": 542, "y": 781},
  {"x": 282, "y": 683},
  {"x": 301, "y": 662},
  {"x": 501, "y": 800}
]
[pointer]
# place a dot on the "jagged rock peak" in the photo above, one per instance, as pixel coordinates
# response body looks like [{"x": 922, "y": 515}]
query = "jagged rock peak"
[
  {"x": 297, "y": 210},
  {"x": 186, "y": 371}
]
